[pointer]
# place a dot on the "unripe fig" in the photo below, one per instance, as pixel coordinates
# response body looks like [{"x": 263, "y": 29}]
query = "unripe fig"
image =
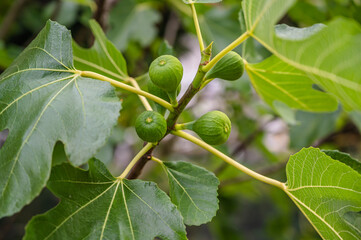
[
  {"x": 166, "y": 72},
  {"x": 230, "y": 67},
  {"x": 151, "y": 126},
  {"x": 213, "y": 127}
]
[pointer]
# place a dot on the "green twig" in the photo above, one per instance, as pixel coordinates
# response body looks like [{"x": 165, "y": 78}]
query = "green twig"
[
  {"x": 142, "y": 99},
  {"x": 157, "y": 160},
  {"x": 229, "y": 160},
  {"x": 198, "y": 29}
]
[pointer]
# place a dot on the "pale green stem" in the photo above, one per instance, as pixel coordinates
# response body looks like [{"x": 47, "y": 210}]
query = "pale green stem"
[
  {"x": 183, "y": 126},
  {"x": 229, "y": 160},
  {"x": 173, "y": 98},
  {"x": 142, "y": 99},
  {"x": 198, "y": 29},
  {"x": 204, "y": 83},
  {"x": 127, "y": 87},
  {"x": 144, "y": 150},
  {"x": 229, "y": 48},
  {"x": 157, "y": 160}
]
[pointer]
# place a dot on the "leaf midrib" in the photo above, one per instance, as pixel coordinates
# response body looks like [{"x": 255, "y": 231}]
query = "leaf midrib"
[
  {"x": 31, "y": 132},
  {"x": 260, "y": 16},
  {"x": 109, "y": 57},
  {"x": 33, "y": 90},
  {"x": 90, "y": 64},
  {"x": 323, "y": 186},
  {"x": 78, "y": 210},
  {"x": 279, "y": 88},
  {"x": 108, "y": 212},
  {"x": 127, "y": 211},
  {"x": 185, "y": 191},
  {"x": 145, "y": 203},
  {"x": 321, "y": 73},
  {"x": 37, "y": 69},
  {"x": 315, "y": 214}
]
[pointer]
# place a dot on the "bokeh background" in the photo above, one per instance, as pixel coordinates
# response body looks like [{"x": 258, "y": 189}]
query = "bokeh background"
[{"x": 260, "y": 139}]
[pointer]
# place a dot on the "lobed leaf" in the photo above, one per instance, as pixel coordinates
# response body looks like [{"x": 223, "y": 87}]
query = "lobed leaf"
[
  {"x": 95, "y": 205},
  {"x": 329, "y": 56},
  {"x": 42, "y": 100},
  {"x": 193, "y": 190},
  {"x": 327, "y": 191}
]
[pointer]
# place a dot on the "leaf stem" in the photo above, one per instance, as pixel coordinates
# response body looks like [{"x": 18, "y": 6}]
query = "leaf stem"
[
  {"x": 144, "y": 150},
  {"x": 226, "y": 50},
  {"x": 142, "y": 99},
  {"x": 127, "y": 87},
  {"x": 229, "y": 160},
  {"x": 183, "y": 126},
  {"x": 198, "y": 29},
  {"x": 157, "y": 160}
]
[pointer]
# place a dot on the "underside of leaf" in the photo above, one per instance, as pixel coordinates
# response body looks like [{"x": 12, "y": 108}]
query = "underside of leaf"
[
  {"x": 328, "y": 55},
  {"x": 328, "y": 192}
]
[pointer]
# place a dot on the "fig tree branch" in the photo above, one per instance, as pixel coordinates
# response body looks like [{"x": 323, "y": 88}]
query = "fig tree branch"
[{"x": 192, "y": 90}]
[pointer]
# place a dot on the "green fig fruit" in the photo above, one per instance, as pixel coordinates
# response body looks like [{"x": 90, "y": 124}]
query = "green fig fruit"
[
  {"x": 230, "y": 67},
  {"x": 213, "y": 127},
  {"x": 166, "y": 72},
  {"x": 151, "y": 126}
]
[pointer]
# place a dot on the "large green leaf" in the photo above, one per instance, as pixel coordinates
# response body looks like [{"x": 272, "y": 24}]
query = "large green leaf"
[
  {"x": 194, "y": 190},
  {"x": 42, "y": 100},
  {"x": 275, "y": 80},
  {"x": 329, "y": 56},
  {"x": 95, "y": 205},
  {"x": 103, "y": 57},
  {"x": 327, "y": 191}
]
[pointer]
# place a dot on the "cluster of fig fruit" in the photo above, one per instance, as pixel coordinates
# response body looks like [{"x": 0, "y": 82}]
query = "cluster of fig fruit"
[{"x": 166, "y": 73}]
